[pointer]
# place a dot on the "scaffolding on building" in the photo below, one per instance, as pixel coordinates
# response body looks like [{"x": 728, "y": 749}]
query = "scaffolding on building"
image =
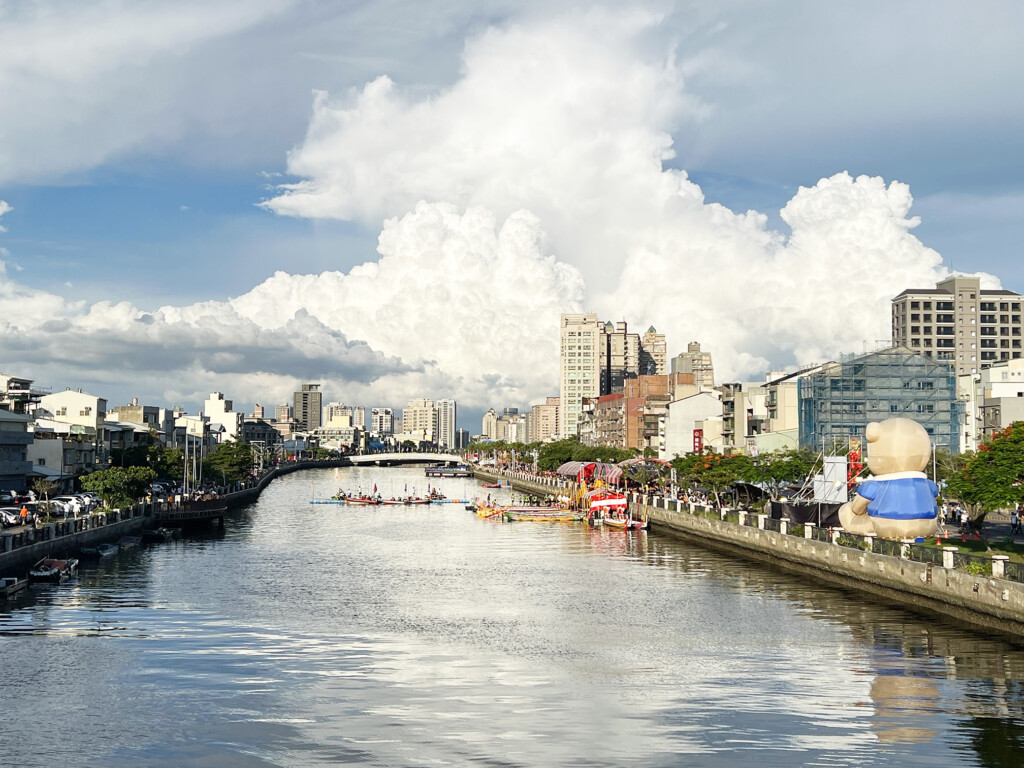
[{"x": 839, "y": 401}]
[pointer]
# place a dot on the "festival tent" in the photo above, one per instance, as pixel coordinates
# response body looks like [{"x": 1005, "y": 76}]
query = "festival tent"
[{"x": 589, "y": 471}]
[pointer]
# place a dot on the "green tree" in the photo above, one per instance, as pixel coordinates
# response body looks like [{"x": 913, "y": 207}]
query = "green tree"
[
  {"x": 777, "y": 467},
  {"x": 230, "y": 463},
  {"x": 553, "y": 455},
  {"x": 993, "y": 478},
  {"x": 119, "y": 486},
  {"x": 711, "y": 471}
]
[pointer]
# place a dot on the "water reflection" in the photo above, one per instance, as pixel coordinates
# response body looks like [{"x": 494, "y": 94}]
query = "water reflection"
[{"x": 305, "y": 635}]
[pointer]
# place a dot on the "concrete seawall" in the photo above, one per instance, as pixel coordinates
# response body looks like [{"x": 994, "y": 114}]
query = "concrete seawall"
[
  {"x": 984, "y": 601},
  {"x": 17, "y": 560}
]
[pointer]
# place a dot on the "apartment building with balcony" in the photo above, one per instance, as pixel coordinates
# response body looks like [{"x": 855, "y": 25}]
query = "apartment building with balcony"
[
  {"x": 960, "y": 322},
  {"x": 18, "y": 395}
]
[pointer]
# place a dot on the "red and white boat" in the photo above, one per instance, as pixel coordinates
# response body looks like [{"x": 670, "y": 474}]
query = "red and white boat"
[
  {"x": 611, "y": 508},
  {"x": 363, "y": 500}
]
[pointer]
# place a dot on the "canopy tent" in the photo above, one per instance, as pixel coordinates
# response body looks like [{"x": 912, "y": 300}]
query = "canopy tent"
[{"x": 588, "y": 471}]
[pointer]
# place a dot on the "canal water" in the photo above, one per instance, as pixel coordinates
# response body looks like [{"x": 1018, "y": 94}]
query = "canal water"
[{"x": 309, "y": 635}]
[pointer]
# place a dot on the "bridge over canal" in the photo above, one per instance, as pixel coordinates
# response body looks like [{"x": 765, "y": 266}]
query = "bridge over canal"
[{"x": 412, "y": 457}]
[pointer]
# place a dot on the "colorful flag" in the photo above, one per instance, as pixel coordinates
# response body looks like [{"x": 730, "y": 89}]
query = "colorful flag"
[{"x": 374, "y": 487}]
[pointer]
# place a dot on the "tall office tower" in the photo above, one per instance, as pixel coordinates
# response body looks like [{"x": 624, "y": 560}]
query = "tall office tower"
[
  {"x": 383, "y": 421},
  {"x": 696, "y": 362},
  {"x": 257, "y": 411},
  {"x": 461, "y": 439},
  {"x": 283, "y": 412},
  {"x": 359, "y": 416},
  {"x": 959, "y": 322},
  {"x": 308, "y": 403},
  {"x": 653, "y": 354},
  {"x": 420, "y": 418},
  {"x": 579, "y": 372},
  {"x": 619, "y": 357},
  {"x": 489, "y": 427},
  {"x": 446, "y": 415}
]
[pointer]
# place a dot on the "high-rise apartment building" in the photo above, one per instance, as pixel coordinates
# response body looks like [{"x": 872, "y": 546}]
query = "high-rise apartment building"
[
  {"x": 579, "y": 366},
  {"x": 489, "y": 425},
  {"x": 221, "y": 413},
  {"x": 341, "y": 415},
  {"x": 542, "y": 421},
  {"x": 383, "y": 421},
  {"x": 420, "y": 418},
  {"x": 447, "y": 411},
  {"x": 653, "y": 354},
  {"x": 694, "y": 361},
  {"x": 307, "y": 404},
  {"x": 959, "y": 322},
  {"x": 598, "y": 358},
  {"x": 283, "y": 412},
  {"x": 619, "y": 356}
]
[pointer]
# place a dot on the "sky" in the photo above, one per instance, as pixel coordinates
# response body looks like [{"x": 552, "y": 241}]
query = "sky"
[{"x": 398, "y": 199}]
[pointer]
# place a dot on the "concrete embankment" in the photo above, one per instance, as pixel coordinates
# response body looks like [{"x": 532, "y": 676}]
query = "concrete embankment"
[
  {"x": 20, "y": 550},
  {"x": 987, "y": 601},
  {"x": 524, "y": 482}
]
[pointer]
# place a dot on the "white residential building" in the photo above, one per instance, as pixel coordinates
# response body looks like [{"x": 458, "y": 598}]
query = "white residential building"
[
  {"x": 447, "y": 412},
  {"x": 579, "y": 367},
  {"x": 383, "y": 421},
  {"x": 221, "y": 414},
  {"x": 420, "y": 418},
  {"x": 685, "y": 421}
]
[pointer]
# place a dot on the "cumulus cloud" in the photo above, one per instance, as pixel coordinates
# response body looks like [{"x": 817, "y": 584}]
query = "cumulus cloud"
[
  {"x": 456, "y": 305},
  {"x": 571, "y": 118},
  {"x": 4, "y": 208}
]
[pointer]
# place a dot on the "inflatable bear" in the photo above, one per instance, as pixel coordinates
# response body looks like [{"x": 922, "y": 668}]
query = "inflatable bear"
[{"x": 898, "y": 502}]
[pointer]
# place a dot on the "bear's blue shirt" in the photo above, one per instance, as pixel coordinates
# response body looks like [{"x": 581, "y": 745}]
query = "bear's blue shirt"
[{"x": 905, "y": 498}]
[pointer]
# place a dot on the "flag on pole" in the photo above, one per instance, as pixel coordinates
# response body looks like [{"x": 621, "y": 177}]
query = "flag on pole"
[{"x": 374, "y": 487}]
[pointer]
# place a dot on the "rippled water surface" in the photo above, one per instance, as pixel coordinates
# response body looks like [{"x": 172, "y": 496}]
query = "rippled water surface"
[{"x": 317, "y": 635}]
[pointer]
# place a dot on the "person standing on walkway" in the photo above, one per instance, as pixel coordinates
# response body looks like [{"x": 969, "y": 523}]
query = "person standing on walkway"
[
  {"x": 965, "y": 519},
  {"x": 1014, "y": 522}
]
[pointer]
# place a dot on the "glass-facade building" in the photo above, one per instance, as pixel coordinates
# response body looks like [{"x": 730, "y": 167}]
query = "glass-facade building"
[{"x": 841, "y": 399}]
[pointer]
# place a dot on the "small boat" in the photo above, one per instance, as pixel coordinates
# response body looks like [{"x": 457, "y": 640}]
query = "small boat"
[
  {"x": 106, "y": 550},
  {"x": 160, "y": 535},
  {"x": 12, "y": 585},
  {"x": 417, "y": 500},
  {"x": 539, "y": 516},
  {"x": 53, "y": 570},
  {"x": 493, "y": 485},
  {"x": 363, "y": 500},
  {"x": 624, "y": 523},
  {"x": 128, "y": 542}
]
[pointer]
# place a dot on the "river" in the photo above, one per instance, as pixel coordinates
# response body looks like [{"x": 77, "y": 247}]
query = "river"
[{"x": 309, "y": 635}]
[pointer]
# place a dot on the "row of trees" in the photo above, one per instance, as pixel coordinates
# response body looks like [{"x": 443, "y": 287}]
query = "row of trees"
[{"x": 136, "y": 468}]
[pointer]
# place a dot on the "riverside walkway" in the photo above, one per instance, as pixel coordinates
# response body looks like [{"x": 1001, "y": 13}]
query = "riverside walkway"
[{"x": 22, "y": 546}]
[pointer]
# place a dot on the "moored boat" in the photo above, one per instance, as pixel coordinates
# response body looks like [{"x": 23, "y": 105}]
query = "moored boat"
[
  {"x": 128, "y": 542},
  {"x": 538, "y": 515},
  {"x": 12, "y": 585},
  {"x": 50, "y": 569}
]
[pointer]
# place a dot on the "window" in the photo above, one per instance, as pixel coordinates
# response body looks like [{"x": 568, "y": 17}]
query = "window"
[
  {"x": 915, "y": 305},
  {"x": 927, "y": 318},
  {"x": 894, "y": 408},
  {"x": 944, "y": 305},
  {"x": 915, "y": 329},
  {"x": 915, "y": 318},
  {"x": 927, "y": 305}
]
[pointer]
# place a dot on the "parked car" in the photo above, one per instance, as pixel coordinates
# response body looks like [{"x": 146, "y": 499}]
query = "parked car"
[{"x": 10, "y": 516}]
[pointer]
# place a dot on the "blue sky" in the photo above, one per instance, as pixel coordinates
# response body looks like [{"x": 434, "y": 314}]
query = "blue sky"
[{"x": 139, "y": 139}]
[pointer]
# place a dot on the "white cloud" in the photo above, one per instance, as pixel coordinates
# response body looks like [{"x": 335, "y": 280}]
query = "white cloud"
[
  {"x": 4, "y": 208},
  {"x": 456, "y": 305},
  {"x": 571, "y": 118}
]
